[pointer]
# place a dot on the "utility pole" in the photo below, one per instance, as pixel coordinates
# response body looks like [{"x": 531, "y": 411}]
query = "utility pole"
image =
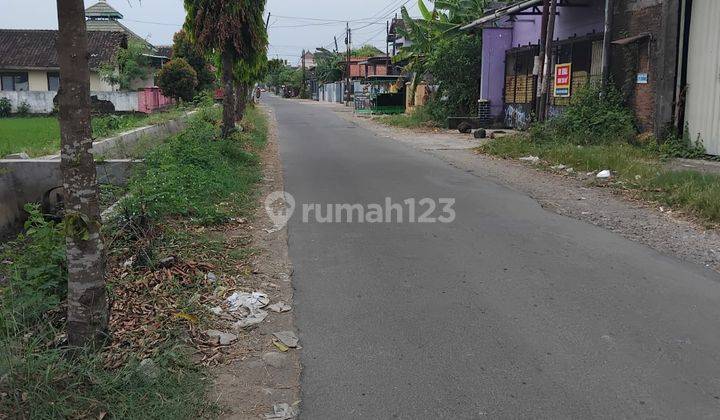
[
  {"x": 267, "y": 21},
  {"x": 348, "y": 42},
  {"x": 387, "y": 48},
  {"x": 304, "y": 78},
  {"x": 336, "y": 46},
  {"x": 541, "y": 56},
  {"x": 607, "y": 40},
  {"x": 545, "y": 87}
]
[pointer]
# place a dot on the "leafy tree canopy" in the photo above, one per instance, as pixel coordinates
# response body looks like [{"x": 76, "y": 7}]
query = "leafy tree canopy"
[
  {"x": 130, "y": 64},
  {"x": 366, "y": 50},
  {"x": 328, "y": 66},
  {"x": 183, "y": 48},
  {"x": 178, "y": 79}
]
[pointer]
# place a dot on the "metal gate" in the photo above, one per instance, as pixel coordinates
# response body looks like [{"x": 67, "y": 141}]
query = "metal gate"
[{"x": 702, "y": 109}]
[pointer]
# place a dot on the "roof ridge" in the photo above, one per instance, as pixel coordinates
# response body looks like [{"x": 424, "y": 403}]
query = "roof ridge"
[{"x": 27, "y": 30}]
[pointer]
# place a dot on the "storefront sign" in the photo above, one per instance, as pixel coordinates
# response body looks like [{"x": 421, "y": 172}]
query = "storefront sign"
[{"x": 563, "y": 80}]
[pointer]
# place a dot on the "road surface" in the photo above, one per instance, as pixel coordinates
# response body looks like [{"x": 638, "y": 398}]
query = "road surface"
[{"x": 510, "y": 311}]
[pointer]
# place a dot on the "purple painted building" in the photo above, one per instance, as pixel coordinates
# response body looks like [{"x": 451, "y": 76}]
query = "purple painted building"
[{"x": 511, "y": 37}]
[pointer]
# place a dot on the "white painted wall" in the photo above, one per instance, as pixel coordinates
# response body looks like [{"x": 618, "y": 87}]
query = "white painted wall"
[
  {"x": 97, "y": 84},
  {"x": 42, "y": 102}
]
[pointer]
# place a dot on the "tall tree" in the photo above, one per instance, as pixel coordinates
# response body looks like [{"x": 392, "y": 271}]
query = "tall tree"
[
  {"x": 232, "y": 29},
  {"x": 184, "y": 48},
  {"x": 247, "y": 73},
  {"x": 87, "y": 315}
]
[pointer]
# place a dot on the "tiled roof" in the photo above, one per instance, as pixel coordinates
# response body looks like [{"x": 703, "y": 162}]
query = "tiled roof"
[
  {"x": 103, "y": 10},
  {"x": 114, "y": 26},
  {"x": 30, "y": 48}
]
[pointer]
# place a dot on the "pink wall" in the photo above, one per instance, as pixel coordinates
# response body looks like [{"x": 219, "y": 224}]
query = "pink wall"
[{"x": 151, "y": 99}]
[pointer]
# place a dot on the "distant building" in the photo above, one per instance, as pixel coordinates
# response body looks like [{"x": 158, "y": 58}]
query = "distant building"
[
  {"x": 309, "y": 60},
  {"x": 29, "y": 61},
  {"x": 102, "y": 17},
  {"x": 664, "y": 59}
]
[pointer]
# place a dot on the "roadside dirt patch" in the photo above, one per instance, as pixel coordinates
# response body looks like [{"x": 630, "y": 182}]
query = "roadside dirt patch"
[{"x": 262, "y": 376}]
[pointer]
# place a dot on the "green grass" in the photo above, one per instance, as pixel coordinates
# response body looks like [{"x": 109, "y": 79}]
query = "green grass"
[
  {"x": 636, "y": 168},
  {"x": 35, "y": 136},
  {"x": 419, "y": 118},
  {"x": 192, "y": 178},
  {"x": 40, "y": 136}
]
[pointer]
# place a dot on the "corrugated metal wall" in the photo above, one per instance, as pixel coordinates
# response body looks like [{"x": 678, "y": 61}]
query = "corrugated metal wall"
[{"x": 702, "y": 111}]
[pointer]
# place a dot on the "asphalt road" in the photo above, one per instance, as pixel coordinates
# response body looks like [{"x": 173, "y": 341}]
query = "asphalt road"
[{"x": 509, "y": 312}]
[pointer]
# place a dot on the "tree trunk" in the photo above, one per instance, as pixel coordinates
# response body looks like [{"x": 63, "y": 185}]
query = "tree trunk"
[
  {"x": 87, "y": 315},
  {"x": 241, "y": 100},
  {"x": 229, "y": 95}
]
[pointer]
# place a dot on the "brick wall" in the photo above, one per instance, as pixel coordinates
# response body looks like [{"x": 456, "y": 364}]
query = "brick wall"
[{"x": 633, "y": 18}]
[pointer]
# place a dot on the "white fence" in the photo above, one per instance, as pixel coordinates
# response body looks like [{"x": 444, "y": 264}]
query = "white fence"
[
  {"x": 331, "y": 92},
  {"x": 42, "y": 102}
]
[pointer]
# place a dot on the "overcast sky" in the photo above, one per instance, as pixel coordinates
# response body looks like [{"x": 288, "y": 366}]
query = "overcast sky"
[{"x": 289, "y": 34}]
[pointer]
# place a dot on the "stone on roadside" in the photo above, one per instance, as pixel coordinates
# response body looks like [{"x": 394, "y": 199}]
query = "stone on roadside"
[
  {"x": 464, "y": 127},
  {"x": 222, "y": 338},
  {"x": 148, "y": 368},
  {"x": 288, "y": 338},
  {"x": 280, "y": 307},
  {"x": 275, "y": 359},
  {"x": 21, "y": 155},
  {"x": 531, "y": 159},
  {"x": 480, "y": 133},
  {"x": 604, "y": 174}
]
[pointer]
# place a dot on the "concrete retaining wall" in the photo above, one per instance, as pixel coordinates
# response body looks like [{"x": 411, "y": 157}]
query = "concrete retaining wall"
[
  {"x": 25, "y": 181},
  {"x": 118, "y": 147}
]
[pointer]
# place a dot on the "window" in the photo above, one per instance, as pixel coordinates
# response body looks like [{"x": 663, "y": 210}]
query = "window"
[
  {"x": 14, "y": 81},
  {"x": 53, "y": 81}
]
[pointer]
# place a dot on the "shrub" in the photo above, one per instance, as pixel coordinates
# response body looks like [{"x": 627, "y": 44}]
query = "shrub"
[
  {"x": 5, "y": 107},
  {"x": 454, "y": 64},
  {"x": 192, "y": 173},
  {"x": 23, "y": 109},
  {"x": 36, "y": 271},
  {"x": 676, "y": 146},
  {"x": 177, "y": 79},
  {"x": 591, "y": 118}
]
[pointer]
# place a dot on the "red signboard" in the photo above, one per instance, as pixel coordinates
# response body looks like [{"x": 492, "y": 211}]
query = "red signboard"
[{"x": 563, "y": 80}]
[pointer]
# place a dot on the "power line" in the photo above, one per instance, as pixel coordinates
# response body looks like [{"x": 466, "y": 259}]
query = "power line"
[
  {"x": 315, "y": 24},
  {"x": 381, "y": 15},
  {"x": 177, "y": 25}
]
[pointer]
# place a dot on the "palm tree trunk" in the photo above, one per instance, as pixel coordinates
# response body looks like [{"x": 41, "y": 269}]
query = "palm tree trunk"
[
  {"x": 87, "y": 300},
  {"x": 228, "y": 97},
  {"x": 241, "y": 100}
]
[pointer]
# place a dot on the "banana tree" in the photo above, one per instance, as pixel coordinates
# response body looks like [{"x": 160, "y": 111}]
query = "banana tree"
[
  {"x": 444, "y": 20},
  {"x": 328, "y": 66}
]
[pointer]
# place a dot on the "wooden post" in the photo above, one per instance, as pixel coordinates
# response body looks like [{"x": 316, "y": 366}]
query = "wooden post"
[
  {"x": 545, "y": 86},
  {"x": 541, "y": 56},
  {"x": 607, "y": 40}
]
